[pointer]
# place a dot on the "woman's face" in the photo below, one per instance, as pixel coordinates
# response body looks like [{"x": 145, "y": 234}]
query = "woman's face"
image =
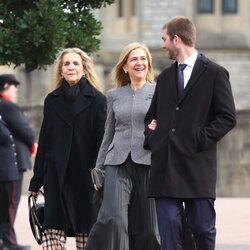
[
  {"x": 137, "y": 65},
  {"x": 72, "y": 68}
]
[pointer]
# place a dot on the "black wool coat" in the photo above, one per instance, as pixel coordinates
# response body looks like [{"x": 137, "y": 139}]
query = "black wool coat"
[
  {"x": 8, "y": 167},
  {"x": 184, "y": 143},
  {"x": 68, "y": 145},
  {"x": 21, "y": 130}
]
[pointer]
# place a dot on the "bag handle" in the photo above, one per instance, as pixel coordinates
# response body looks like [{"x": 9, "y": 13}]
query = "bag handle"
[{"x": 31, "y": 203}]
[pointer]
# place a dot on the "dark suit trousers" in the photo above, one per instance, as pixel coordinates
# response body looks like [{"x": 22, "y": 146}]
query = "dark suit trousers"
[
  {"x": 200, "y": 215},
  {"x": 18, "y": 193},
  {"x": 7, "y": 212}
]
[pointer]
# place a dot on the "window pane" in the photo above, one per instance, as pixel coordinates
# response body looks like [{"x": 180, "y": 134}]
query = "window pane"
[
  {"x": 205, "y": 6},
  {"x": 229, "y": 6},
  {"x": 120, "y": 8}
]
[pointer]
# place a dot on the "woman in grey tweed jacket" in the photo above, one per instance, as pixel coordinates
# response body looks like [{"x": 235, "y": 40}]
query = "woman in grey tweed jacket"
[{"x": 127, "y": 218}]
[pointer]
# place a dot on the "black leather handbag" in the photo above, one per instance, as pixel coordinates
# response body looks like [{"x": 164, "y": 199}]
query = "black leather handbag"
[{"x": 36, "y": 217}]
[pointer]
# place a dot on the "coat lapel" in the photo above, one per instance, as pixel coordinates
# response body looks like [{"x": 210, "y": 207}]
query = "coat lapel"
[
  {"x": 82, "y": 101},
  {"x": 199, "y": 67},
  {"x": 173, "y": 81},
  {"x": 58, "y": 103}
]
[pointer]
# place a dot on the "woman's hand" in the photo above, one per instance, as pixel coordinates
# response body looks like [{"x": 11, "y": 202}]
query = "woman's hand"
[
  {"x": 35, "y": 193},
  {"x": 153, "y": 124},
  {"x": 96, "y": 189}
]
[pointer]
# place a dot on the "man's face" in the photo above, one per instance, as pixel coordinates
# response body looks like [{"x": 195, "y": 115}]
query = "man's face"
[
  {"x": 11, "y": 91},
  {"x": 169, "y": 45}
]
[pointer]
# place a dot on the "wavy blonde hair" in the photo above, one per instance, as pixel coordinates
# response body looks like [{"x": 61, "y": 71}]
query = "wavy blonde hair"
[
  {"x": 118, "y": 75},
  {"x": 87, "y": 63}
]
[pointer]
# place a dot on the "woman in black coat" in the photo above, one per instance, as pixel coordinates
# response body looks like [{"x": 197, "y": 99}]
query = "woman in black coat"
[{"x": 71, "y": 133}]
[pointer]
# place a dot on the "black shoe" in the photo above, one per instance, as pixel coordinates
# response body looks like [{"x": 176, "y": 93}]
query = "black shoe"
[
  {"x": 16, "y": 247},
  {"x": 1, "y": 244}
]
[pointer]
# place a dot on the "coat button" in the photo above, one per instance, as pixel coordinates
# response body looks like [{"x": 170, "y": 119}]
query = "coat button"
[
  {"x": 173, "y": 130},
  {"x": 177, "y": 108}
]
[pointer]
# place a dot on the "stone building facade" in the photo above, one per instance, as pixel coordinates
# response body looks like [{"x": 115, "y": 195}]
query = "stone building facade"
[{"x": 223, "y": 34}]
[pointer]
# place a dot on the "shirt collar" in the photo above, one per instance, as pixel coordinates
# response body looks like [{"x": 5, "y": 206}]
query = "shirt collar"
[{"x": 190, "y": 61}]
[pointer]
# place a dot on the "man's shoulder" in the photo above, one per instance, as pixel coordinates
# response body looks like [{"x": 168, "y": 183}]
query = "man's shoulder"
[{"x": 211, "y": 63}]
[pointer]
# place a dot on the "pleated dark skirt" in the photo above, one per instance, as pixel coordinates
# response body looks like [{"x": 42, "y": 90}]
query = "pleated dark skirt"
[{"x": 127, "y": 218}]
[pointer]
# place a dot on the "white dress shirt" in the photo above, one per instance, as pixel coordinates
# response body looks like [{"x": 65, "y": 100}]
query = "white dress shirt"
[{"x": 190, "y": 61}]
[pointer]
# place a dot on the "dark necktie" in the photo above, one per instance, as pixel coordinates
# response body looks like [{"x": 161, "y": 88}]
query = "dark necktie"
[{"x": 180, "y": 78}]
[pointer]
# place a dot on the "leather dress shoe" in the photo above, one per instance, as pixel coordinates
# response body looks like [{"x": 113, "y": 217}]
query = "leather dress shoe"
[
  {"x": 1, "y": 244},
  {"x": 16, "y": 247}
]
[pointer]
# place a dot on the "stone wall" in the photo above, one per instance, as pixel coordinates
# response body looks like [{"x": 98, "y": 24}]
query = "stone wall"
[
  {"x": 35, "y": 115},
  {"x": 234, "y": 160},
  {"x": 233, "y": 155}
]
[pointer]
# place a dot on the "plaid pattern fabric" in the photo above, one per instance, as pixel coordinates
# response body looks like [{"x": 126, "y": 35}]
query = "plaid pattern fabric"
[
  {"x": 81, "y": 240},
  {"x": 54, "y": 239}
]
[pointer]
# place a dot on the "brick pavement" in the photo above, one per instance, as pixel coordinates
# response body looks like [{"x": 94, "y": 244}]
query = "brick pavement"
[{"x": 233, "y": 225}]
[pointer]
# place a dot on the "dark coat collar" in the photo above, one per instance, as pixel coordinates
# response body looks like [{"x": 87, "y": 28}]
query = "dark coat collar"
[
  {"x": 199, "y": 67},
  {"x": 83, "y": 100},
  {"x": 87, "y": 91}
]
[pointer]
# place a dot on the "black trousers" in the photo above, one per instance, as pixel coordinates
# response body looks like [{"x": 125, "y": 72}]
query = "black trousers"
[
  {"x": 8, "y": 212},
  {"x": 199, "y": 218}
]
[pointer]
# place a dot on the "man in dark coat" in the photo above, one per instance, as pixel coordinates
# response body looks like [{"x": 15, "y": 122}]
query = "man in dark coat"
[
  {"x": 8, "y": 176},
  {"x": 183, "y": 126},
  {"x": 23, "y": 145}
]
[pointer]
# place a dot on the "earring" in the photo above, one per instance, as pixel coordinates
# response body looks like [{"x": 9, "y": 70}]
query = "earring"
[{"x": 125, "y": 71}]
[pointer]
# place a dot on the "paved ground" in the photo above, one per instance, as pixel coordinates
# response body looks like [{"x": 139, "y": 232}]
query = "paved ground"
[{"x": 233, "y": 225}]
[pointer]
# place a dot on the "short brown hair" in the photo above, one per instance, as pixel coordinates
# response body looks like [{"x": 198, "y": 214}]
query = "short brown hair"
[{"x": 183, "y": 28}]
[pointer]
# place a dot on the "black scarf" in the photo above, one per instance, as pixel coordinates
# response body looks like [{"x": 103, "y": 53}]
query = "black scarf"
[{"x": 72, "y": 91}]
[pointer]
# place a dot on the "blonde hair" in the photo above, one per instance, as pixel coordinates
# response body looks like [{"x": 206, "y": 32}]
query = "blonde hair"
[
  {"x": 119, "y": 76},
  {"x": 87, "y": 63}
]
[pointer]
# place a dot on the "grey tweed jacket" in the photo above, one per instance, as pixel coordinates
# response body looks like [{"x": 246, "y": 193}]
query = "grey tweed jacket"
[{"x": 124, "y": 127}]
